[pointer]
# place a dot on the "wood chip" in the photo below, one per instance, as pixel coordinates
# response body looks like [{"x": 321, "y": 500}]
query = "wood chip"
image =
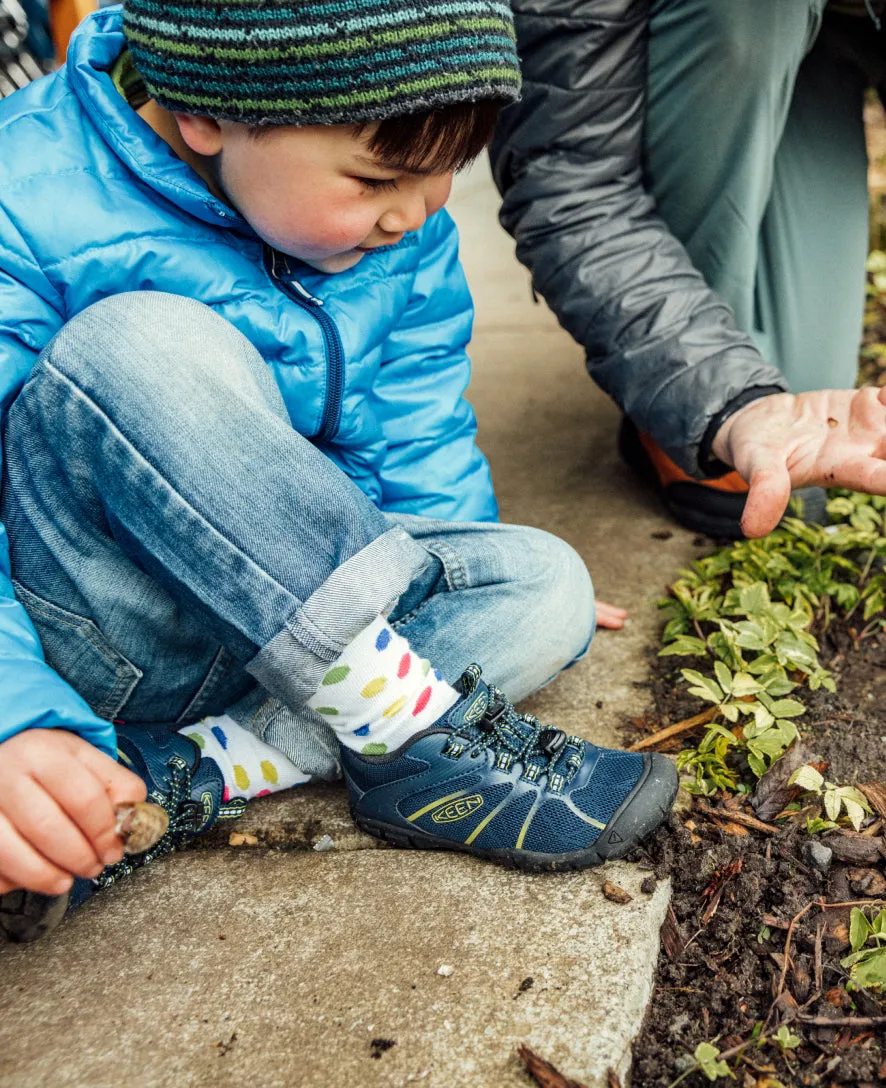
[
  {"x": 613, "y": 1080},
  {"x": 738, "y": 818},
  {"x": 876, "y": 795},
  {"x": 242, "y": 838},
  {"x": 866, "y": 881},
  {"x": 615, "y": 893},
  {"x": 542, "y": 1072},
  {"x": 855, "y": 848},
  {"x": 672, "y": 938}
]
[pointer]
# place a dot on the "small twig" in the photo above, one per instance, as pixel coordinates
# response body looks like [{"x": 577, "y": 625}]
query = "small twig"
[
  {"x": 787, "y": 953},
  {"x": 819, "y": 929},
  {"x": 736, "y": 817},
  {"x": 674, "y": 730},
  {"x": 853, "y": 903},
  {"x": 843, "y": 1021}
]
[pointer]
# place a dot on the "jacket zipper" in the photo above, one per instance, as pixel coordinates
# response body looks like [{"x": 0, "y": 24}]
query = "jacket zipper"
[{"x": 277, "y": 265}]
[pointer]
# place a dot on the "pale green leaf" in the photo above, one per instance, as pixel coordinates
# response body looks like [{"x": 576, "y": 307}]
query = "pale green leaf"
[{"x": 807, "y": 778}]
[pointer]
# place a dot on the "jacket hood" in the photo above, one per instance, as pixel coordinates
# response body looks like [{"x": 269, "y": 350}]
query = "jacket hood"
[{"x": 94, "y": 47}]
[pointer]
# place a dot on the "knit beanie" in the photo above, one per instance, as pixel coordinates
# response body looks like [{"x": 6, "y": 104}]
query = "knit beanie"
[{"x": 321, "y": 62}]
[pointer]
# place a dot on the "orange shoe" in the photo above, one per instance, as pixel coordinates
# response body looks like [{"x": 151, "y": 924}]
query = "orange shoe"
[{"x": 712, "y": 507}]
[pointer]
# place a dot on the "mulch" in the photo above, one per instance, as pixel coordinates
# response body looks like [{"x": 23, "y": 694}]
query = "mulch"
[{"x": 753, "y": 935}]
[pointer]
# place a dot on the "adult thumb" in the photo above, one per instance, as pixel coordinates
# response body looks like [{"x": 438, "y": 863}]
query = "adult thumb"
[{"x": 768, "y": 497}]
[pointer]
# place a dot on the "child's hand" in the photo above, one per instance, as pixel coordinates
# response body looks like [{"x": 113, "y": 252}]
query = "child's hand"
[
  {"x": 610, "y": 615},
  {"x": 57, "y": 798}
]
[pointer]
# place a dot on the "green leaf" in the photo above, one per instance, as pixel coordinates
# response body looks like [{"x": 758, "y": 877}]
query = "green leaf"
[
  {"x": 744, "y": 684},
  {"x": 859, "y": 929},
  {"x": 832, "y": 804},
  {"x": 785, "y": 1039},
  {"x": 684, "y": 646},
  {"x": 869, "y": 973},
  {"x": 706, "y": 1055},
  {"x": 703, "y": 686},
  {"x": 753, "y": 598},
  {"x": 787, "y": 708},
  {"x": 807, "y": 778},
  {"x": 724, "y": 676}
]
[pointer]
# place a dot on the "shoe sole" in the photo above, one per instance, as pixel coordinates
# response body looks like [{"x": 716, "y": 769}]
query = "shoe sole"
[
  {"x": 701, "y": 509},
  {"x": 27, "y": 916},
  {"x": 640, "y": 813}
]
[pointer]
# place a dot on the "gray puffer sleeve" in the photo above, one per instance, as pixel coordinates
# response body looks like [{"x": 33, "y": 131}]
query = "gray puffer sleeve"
[{"x": 567, "y": 159}]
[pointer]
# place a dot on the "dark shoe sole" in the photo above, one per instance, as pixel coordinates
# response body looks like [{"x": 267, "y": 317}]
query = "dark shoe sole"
[
  {"x": 703, "y": 509},
  {"x": 27, "y": 916},
  {"x": 645, "y": 807}
]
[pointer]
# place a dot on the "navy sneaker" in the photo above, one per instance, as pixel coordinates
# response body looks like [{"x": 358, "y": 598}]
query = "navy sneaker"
[
  {"x": 497, "y": 784},
  {"x": 189, "y": 787}
]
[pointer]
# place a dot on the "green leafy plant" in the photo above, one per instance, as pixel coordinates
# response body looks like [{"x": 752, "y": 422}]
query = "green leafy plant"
[
  {"x": 867, "y": 966},
  {"x": 707, "y": 1056},
  {"x": 785, "y": 1039},
  {"x": 837, "y": 800},
  {"x": 748, "y": 616}
]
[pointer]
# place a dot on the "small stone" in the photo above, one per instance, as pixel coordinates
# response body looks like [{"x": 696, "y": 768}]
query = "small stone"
[
  {"x": 648, "y": 885},
  {"x": 325, "y": 842},
  {"x": 818, "y": 855},
  {"x": 445, "y": 970}
]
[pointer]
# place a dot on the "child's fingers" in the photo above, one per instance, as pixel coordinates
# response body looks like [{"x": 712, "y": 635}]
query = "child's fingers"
[
  {"x": 49, "y": 830},
  {"x": 22, "y": 867},
  {"x": 121, "y": 785},
  {"x": 610, "y": 616},
  {"x": 6, "y": 886},
  {"x": 84, "y": 798}
]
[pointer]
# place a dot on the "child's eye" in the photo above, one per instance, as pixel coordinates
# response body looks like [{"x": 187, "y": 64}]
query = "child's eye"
[{"x": 378, "y": 184}]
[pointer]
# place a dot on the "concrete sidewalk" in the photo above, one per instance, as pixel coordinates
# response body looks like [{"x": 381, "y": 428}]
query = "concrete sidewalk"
[{"x": 289, "y": 967}]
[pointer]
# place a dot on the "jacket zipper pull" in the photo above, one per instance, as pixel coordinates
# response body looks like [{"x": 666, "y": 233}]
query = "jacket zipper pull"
[{"x": 304, "y": 293}]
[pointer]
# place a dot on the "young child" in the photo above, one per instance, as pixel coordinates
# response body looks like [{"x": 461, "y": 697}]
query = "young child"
[{"x": 240, "y": 485}]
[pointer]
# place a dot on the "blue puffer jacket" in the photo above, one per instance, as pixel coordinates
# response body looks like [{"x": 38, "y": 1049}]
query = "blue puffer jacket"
[{"x": 93, "y": 203}]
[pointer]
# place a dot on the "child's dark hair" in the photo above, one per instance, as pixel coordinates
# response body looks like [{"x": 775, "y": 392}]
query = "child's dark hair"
[{"x": 437, "y": 140}]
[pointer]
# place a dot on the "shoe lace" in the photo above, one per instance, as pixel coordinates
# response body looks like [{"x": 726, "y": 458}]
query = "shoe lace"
[
  {"x": 515, "y": 737},
  {"x": 187, "y": 818}
]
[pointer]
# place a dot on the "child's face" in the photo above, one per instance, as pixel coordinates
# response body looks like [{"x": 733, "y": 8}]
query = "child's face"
[{"x": 316, "y": 193}]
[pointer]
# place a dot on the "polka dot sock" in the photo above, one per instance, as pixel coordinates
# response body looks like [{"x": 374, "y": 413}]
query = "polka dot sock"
[
  {"x": 380, "y": 693},
  {"x": 250, "y": 767}
]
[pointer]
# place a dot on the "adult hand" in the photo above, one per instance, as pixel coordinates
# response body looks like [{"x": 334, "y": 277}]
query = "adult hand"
[
  {"x": 57, "y": 819},
  {"x": 831, "y": 438}
]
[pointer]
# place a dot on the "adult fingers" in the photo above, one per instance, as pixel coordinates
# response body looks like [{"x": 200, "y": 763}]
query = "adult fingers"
[
  {"x": 22, "y": 867},
  {"x": 45, "y": 826},
  {"x": 7, "y": 886},
  {"x": 768, "y": 497},
  {"x": 85, "y": 798}
]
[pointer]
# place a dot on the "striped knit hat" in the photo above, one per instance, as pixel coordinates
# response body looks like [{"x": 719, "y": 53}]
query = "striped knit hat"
[{"x": 321, "y": 62}]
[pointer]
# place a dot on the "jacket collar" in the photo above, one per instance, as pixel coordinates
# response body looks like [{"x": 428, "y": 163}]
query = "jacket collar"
[{"x": 94, "y": 47}]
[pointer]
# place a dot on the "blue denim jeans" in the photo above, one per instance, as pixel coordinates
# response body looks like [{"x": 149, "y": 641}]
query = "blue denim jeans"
[{"x": 182, "y": 551}]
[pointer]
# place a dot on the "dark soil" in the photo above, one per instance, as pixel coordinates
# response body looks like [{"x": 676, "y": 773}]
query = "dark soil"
[{"x": 720, "y": 971}]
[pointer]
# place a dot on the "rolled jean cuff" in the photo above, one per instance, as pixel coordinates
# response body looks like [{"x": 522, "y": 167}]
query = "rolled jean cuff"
[{"x": 368, "y": 584}]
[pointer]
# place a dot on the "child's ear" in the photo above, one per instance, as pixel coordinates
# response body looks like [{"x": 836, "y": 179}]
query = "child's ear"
[{"x": 202, "y": 134}]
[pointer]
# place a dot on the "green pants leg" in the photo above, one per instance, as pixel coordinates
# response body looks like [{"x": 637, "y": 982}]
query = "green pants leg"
[{"x": 755, "y": 153}]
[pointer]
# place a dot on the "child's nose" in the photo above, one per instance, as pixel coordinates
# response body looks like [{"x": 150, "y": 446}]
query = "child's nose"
[{"x": 409, "y": 214}]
